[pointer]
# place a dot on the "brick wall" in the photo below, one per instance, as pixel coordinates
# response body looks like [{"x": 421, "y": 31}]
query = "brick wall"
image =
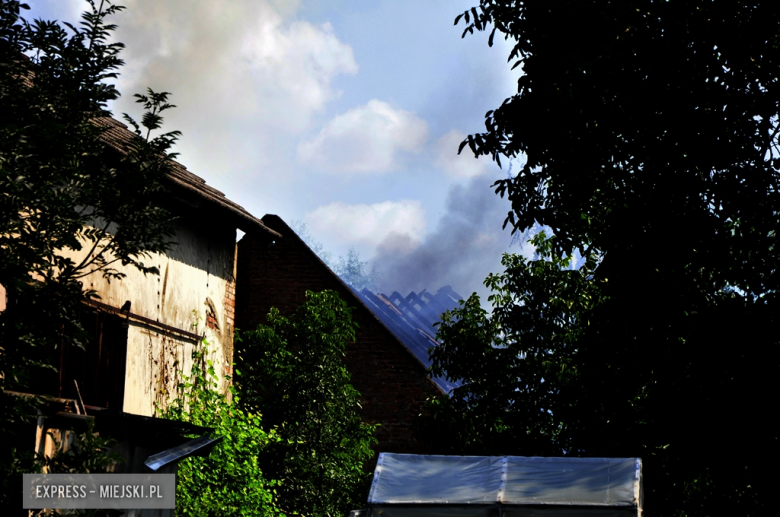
[
  {"x": 393, "y": 384},
  {"x": 230, "y": 304}
]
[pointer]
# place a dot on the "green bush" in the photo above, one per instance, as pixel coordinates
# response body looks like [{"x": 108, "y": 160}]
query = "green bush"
[
  {"x": 293, "y": 372},
  {"x": 228, "y": 482}
]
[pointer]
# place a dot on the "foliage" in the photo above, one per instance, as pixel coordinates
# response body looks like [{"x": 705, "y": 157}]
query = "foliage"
[
  {"x": 89, "y": 454},
  {"x": 517, "y": 362},
  {"x": 650, "y": 131},
  {"x": 293, "y": 372},
  {"x": 229, "y": 481},
  {"x": 353, "y": 271},
  {"x": 70, "y": 205}
]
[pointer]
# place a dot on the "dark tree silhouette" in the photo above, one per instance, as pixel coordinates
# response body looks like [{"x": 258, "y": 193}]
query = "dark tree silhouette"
[
  {"x": 65, "y": 193},
  {"x": 650, "y": 130}
]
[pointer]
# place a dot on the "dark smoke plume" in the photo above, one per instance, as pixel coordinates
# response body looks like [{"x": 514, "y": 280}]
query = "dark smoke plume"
[{"x": 466, "y": 245}]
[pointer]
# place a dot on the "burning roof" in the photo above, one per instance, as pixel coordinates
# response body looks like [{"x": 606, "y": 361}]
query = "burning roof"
[{"x": 411, "y": 320}]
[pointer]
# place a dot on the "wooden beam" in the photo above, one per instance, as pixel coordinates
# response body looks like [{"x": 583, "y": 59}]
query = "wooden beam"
[{"x": 142, "y": 319}]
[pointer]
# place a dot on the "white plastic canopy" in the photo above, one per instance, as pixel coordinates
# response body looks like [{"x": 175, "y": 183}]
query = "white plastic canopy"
[{"x": 409, "y": 485}]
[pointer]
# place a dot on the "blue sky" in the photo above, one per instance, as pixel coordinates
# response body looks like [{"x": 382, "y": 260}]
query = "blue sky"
[{"x": 344, "y": 114}]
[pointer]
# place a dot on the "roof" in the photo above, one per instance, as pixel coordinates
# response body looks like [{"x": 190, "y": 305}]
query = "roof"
[
  {"x": 411, "y": 320},
  {"x": 152, "y": 431},
  {"x": 409, "y": 479},
  {"x": 119, "y": 137},
  {"x": 418, "y": 348},
  {"x": 200, "y": 446}
]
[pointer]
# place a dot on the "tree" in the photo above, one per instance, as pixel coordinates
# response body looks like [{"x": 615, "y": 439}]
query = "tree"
[
  {"x": 292, "y": 371},
  {"x": 650, "y": 130},
  {"x": 228, "y": 481},
  {"x": 353, "y": 271},
  {"x": 516, "y": 363},
  {"x": 70, "y": 205}
]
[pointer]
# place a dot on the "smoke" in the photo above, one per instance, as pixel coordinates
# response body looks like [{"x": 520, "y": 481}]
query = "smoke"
[
  {"x": 247, "y": 75},
  {"x": 465, "y": 247}
]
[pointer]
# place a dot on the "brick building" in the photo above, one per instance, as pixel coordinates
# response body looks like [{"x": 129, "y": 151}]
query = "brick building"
[{"x": 392, "y": 380}]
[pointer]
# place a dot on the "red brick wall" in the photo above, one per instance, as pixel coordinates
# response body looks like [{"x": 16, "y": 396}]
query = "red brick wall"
[
  {"x": 230, "y": 304},
  {"x": 392, "y": 382},
  {"x": 230, "y": 316}
]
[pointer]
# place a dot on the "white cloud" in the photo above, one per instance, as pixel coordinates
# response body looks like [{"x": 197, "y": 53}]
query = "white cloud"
[
  {"x": 240, "y": 58},
  {"x": 368, "y": 225},
  {"x": 291, "y": 68},
  {"x": 368, "y": 138},
  {"x": 245, "y": 75},
  {"x": 455, "y": 165}
]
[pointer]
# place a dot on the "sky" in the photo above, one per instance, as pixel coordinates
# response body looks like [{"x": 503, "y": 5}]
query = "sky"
[{"x": 343, "y": 114}]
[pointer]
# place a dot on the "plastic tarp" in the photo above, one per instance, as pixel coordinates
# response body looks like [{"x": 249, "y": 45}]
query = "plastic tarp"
[{"x": 408, "y": 485}]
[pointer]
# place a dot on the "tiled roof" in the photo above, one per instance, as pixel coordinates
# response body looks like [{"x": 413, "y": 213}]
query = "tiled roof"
[
  {"x": 119, "y": 137},
  {"x": 410, "y": 322}
]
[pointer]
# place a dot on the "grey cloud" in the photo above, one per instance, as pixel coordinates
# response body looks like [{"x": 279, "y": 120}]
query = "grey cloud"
[{"x": 465, "y": 247}]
